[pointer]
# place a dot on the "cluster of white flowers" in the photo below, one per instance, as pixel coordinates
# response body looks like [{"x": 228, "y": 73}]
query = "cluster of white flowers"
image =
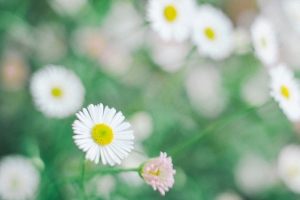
[{"x": 209, "y": 28}]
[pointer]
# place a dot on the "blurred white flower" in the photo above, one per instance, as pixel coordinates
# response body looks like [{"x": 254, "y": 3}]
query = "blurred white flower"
[
  {"x": 264, "y": 41},
  {"x": 212, "y": 32},
  {"x": 101, "y": 133},
  {"x": 171, "y": 55},
  {"x": 142, "y": 124},
  {"x": 255, "y": 90},
  {"x": 254, "y": 174},
  {"x": 102, "y": 186},
  {"x": 291, "y": 9},
  {"x": 57, "y": 92},
  {"x": 228, "y": 196},
  {"x": 286, "y": 91},
  {"x": 89, "y": 41},
  {"x": 289, "y": 167},
  {"x": 19, "y": 179},
  {"x": 69, "y": 7},
  {"x": 123, "y": 26},
  {"x": 49, "y": 42},
  {"x": 134, "y": 160},
  {"x": 14, "y": 70},
  {"x": 242, "y": 41},
  {"x": 290, "y": 46},
  {"x": 204, "y": 88},
  {"x": 171, "y": 19}
]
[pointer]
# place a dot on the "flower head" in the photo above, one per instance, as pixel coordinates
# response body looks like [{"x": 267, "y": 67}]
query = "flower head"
[
  {"x": 286, "y": 91},
  {"x": 264, "y": 41},
  {"x": 101, "y": 133},
  {"x": 212, "y": 32},
  {"x": 159, "y": 173},
  {"x": 171, "y": 18},
  {"x": 289, "y": 167},
  {"x": 19, "y": 179},
  {"x": 57, "y": 91}
]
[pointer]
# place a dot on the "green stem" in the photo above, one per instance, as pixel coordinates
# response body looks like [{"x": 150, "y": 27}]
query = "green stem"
[
  {"x": 82, "y": 179},
  {"x": 112, "y": 171},
  {"x": 177, "y": 150}
]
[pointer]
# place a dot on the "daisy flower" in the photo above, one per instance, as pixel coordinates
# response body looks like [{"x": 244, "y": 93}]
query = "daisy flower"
[
  {"x": 57, "y": 91},
  {"x": 19, "y": 179},
  {"x": 101, "y": 132},
  {"x": 159, "y": 173},
  {"x": 212, "y": 32},
  {"x": 264, "y": 41},
  {"x": 286, "y": 91},
  {"x": 171, "y": 18},
  {"x": 289, "y": 167},
  {"x": 291, "y": 10}
]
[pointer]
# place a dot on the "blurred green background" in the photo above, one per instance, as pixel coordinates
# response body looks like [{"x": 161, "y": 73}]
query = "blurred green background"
[{"x": 111, "y": 48}]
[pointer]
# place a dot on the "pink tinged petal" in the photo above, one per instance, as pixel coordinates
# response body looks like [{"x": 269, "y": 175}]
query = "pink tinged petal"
[
  {"x": 110, "y": 116},
  {"x": 119, "y": 118},
  {"x": 122, "y": 127}
]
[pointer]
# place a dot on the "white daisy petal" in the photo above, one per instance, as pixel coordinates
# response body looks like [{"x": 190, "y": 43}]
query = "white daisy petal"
[
  {"x": 171, "y": 18},
  {"x": 286, "y": 91},
  {"x": 265, "y": 41},
  {"x": 212, "y": 32},
  {"x": 57, "y": 92},
  {"x": 101, "y": 133}
]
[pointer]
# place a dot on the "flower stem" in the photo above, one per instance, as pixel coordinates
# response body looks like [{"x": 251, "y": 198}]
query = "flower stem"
[
  {"x": 112, "y": 171},
  {"x": 177, "y": 150},
  {"x": 82, "y": 179}
]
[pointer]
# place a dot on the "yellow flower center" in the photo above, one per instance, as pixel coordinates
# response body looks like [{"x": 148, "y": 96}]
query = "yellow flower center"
[
  {"x": 263, "y": 42},
  {"x": 155, "y": 173},
  {"x": 170, "y": 13},
  {"x": 293, "y": 172},
  {"x": 102, "y": 134},
  {"x": 285, "y": 92},
  {"x": 56, "y": 92},
  {"x": 210, "y": 33}
]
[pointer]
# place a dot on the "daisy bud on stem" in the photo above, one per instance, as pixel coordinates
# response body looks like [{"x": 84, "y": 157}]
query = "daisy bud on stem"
[{"x": 159, "y": 173}]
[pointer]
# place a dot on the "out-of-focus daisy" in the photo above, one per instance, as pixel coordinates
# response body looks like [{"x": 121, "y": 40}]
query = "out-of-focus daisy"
[
  {"x": 142, "y": 124},
  {"x": 69, "y": 7},
  {"x": 57, "y": 91},
  {"x": 212, "y": 32},
  {"x": 264, "y": 41},
  {"x": 228, "y": 196},
  {"x": 159, "y": 173},
  {"x": 254, "y": 174},
  {"x": 242, "y": 41},
  {"x": 255, "y": 90},
  {"x": 171, "y": 19},
  {"x": 14, "y": 71},
  {"x": 101, "y": 133},
  {"x": 291, "y": 9},
  {"x": 170, "y": 56},
  {"x": 19, "y": 179},
  {"x": 204, "y": 88},
  {"x": 286, "y": 91},
  {"x": 289, "y": 167},
  {"x": 102, "y": 186}
]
